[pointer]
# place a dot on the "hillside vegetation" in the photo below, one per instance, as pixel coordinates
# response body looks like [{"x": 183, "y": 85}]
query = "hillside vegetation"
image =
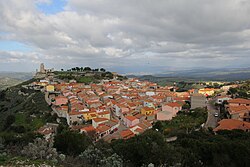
[
  {"x": 22, "y": 112},
  {"x": 243, "y": 91}
]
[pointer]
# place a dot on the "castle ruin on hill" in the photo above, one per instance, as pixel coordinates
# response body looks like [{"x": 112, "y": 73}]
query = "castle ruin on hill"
[{"x": 43, "y": 72}]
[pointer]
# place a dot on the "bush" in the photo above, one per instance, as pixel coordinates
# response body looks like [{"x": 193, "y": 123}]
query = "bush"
[
  {"x": 71, "y": 143},
  {"x": 92, "y": 155},
  {"x": 9, "y": 121},
  {"x": 40, "y": 149}
]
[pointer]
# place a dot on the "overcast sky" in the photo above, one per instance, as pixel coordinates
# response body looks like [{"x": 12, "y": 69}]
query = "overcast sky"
[{"x": 127, "y": 36}]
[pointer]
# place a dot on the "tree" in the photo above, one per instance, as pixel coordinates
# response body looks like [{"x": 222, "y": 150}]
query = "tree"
[
  {"x": 186, "y": 106},
  {"x": 9, "y": 121},
  {"x": 77, "y": 69},
  {"x": 40, "y": 149},
  {"x": 158, "y": 126},
  {"x": 232, "y": 91},
  {"x": 92, "y": 155},
  {"x": 1, "y": 145},
  {"x": 114, "y": 160},
  {"x": 96, "y": 157},
  {"x": 150, "y": 147},
  {"x": 71, "y": 143},
  {"x": 87, "y": 69},
  {"x": 102, "y": 70},
  {"x": 2, "y": 95},
  {"x": 109, "y": 75}
]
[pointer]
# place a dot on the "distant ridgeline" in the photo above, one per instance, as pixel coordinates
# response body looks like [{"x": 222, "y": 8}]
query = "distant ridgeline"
[
  {"x": 6, "y": 82},
  {"x": 8, "y": 79}
]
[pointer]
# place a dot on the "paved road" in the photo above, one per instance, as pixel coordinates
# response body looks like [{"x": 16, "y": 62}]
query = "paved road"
[{"x": 212, "y": 121}]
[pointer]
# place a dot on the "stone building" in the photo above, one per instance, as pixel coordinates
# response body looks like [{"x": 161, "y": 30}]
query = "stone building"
[{"x": 198, "y": 100}]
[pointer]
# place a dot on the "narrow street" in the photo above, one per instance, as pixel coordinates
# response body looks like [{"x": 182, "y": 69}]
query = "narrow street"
[{"x": 212, "y": 121}]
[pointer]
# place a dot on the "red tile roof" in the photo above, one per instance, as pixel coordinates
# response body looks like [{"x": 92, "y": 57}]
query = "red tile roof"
[
  {"x": 104, "y": 113},
  {"x": 102, "y": 128},
  {"x": 131, "y": 118},
  {"x": 139, "y": 116},
  {"x": 238, "y": 109},
  {"x": 173, "y": 104},
  {"x": 76, "y": 113},
  {"x": 126, "y": 134},
  {"x": 239, "y": 100},
  {"x": 230, "y": 124},
  {"x": 100, "y": 119},
  {"x": 88, "y": 128},
  {"x": 139, "y": 130}
]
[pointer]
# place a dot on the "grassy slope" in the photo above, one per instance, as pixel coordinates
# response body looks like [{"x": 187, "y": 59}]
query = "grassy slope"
[{"x": 29, "y": 111}]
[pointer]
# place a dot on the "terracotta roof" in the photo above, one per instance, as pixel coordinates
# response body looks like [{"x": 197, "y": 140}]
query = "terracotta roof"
[
  {"x": 230, "y": 124},
  {"x": 144, "y": 125},
  {"x": 102, "y": 128},
  {"x": 76, "y": 113},
  {"x": 100, "y": 119},
  {"x": 158, "y": 97},
  {"x": 239, "y": 100},
  {"x": 222, "y": 97},
  {"x": 181, "y": 98},
  {"x": 88, "y": 128},
  {"x": 76, "y": 127},
  {"x": 139, "y": 130},
  {"x": 131, "y": 104},
  {"x": 104, "y": 113},
  {"x": 111, "y": 123},
  {"x": 173, "y": 104},
  {"x": 131, "y": 118},
  {"x": 139, "y": 116},
  {"x": 126, "y": 134},
  {"x": 238, "y": 109}
]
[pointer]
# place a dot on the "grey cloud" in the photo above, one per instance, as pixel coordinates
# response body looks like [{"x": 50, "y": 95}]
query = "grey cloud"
[{"x": 163, "y": 33}]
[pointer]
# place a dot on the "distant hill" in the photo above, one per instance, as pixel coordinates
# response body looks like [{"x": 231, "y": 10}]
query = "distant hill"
[
  {"x": 8, "y": 82},
  {"x": 229, "y": 74},
  {"x": 8, "y": 79},
  {"x": 17, "y": 75},
  {"x": 198, "y": 75}
]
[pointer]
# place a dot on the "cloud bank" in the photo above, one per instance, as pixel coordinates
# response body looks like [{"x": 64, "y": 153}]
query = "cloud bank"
[{"x": 143, "y": 36}]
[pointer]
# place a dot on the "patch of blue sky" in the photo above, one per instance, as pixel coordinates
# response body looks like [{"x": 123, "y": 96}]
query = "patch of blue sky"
[
  {"x": 14, "y": 46},
  {"x": 3, "y": 33},
  {"x": 54, "y": 7}
]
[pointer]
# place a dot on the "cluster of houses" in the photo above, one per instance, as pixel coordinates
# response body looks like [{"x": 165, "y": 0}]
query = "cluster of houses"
[
  {"x": 238, "y": 111},
  {"x": 116, "y": 109},
  {"x": 122, "y": 108}
]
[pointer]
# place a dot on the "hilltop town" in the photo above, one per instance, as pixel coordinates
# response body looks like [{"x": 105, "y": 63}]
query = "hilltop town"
[{"x": 121, "y": 109}]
